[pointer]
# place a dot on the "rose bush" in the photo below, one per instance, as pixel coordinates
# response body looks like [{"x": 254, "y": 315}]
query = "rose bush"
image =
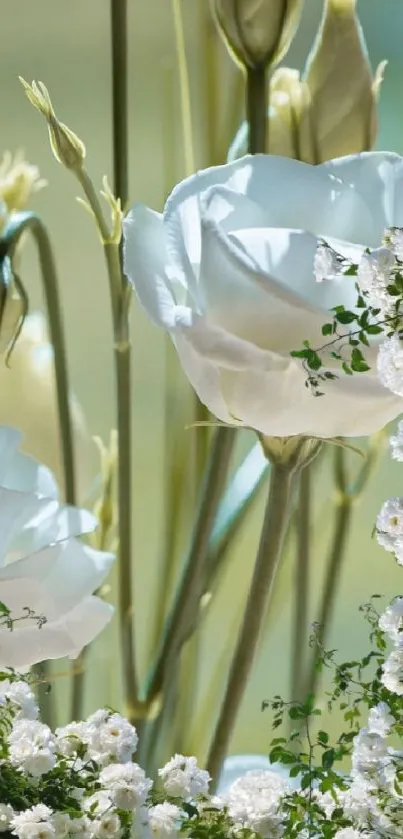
[{"x": 228, "y": 270}]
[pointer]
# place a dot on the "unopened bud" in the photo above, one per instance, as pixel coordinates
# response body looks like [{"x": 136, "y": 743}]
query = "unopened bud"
[
  {"x": 343, "y": 91},
  {"x": 257, "y": 33},
  {"x": 18, "y": 181},
  {"x": 67, "y": 148}
]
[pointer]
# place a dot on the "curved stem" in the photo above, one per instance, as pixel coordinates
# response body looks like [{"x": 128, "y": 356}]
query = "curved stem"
[
  {"x": 275, "y": 524},
  {"x": 17, "y": 226},
  {"x": 257, "y": 91},
  {"x": 119, "y": 99}
]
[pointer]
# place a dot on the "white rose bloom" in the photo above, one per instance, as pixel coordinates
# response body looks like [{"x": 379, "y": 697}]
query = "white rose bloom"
[
  {"x": 392, "y": 675},
  {"x": 43, "y": 567},
  {"x": 6, "y": 814},
  {"x": 32, "y": 747},
  {"x": 228, "y": 270},
  {"x": 34, "y": 823},
  {"x": 391, "y": 621},
  {"x": 182, "y": 778},
  {"x": 164, "y": 820},
  {"x": 22, "y": 697},
  {"x": 126, "y": 784},
  {"x": 110, "y": 737}
]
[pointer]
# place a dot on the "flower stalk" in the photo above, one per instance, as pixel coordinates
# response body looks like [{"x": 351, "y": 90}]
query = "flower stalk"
[{"x": 286, "y": 463}]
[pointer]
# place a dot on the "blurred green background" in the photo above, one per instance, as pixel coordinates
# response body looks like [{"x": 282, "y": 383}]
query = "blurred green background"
[{"x": 67, "y": 46}]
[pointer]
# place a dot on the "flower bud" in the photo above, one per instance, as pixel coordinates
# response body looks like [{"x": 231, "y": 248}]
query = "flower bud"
[
  {"x": 67, "y": 148},
  {"x": 343, "y": 92},
  {"x": 28, "y": 402},
  {"x": 18, "y": 180},
  {"x": 257, "y": 33}
]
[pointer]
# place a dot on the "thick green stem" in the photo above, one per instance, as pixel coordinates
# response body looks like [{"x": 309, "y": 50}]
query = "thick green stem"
[
  {"x": 257, "y": 91},
  {"x": 301, "y": 588},
  {"x": 190, "y": 587},
  {"x": 275, "y": 524},
  {"x": 119, "y": 99}
]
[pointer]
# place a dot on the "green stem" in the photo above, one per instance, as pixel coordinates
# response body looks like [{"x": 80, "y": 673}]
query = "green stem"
[
  {"x": 275, "y": 524},
  {"x": 190, "y": 587},
  {"x": 257, "y": 91},
  {"x": 334, "y": 565},
  {"x": 301, "y": 588},
  {"x": 120, "y": 299},
  {"x": 118, "y": 10},
  {"x": 17, "y": 226}
]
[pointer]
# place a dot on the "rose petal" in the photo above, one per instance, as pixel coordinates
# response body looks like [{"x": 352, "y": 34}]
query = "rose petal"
[{"x": 26, "y": 644}]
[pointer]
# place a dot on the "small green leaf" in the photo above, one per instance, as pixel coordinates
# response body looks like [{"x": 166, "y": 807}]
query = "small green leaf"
[
  {"x": 328, "y": 759},
  {"x": 346, "y": 317},
  {"x": 327, "y": 329},
  {"x": 347, "y": 369}
]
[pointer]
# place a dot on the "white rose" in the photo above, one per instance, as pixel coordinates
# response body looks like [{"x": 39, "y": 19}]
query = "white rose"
[{"x": 227, "y": 269}]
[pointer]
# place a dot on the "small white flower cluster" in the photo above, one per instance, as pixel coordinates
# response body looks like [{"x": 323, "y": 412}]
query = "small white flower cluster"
[
  {"x": 254, "y": 802},
  {"x": 104, "y": 794}
]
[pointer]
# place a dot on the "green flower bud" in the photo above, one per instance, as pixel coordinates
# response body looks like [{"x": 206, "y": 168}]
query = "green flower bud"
[
  {"x": 343, "y": 91},
  {"x": 257, "y": 33}
]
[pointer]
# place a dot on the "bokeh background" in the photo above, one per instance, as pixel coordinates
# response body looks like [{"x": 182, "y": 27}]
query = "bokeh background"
[{"x": 67, "y": 46}]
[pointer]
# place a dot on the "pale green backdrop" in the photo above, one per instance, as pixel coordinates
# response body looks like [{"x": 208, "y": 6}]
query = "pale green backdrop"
[{"x": 66, "y": 44}]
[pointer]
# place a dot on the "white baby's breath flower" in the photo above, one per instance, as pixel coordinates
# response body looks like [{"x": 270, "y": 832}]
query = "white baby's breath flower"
[
  {"x": 390, "y": 364},
  {"x": 392, "y": 672},
  {"x": 182, "y": 777},
  {"x": 391, "y": 622},
  {"x": 126, "y": 784},
  {"x": 164, "y": 820},
  {"x": 396, "y": 443},
  {"x": 32, "y": 747},
  {"x": 6, "y": 814}
]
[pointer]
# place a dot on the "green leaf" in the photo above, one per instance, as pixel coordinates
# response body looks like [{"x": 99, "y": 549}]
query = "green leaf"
[
  {"x": 327, "y": 329},
  {"x": 299, "y": 353},
  {"x": 346, "y": 317},
  {"x": 328, "y": 759},
  {"x": 374, "y": 330},
  {"x": 347, "y": 369},
  {"x": 313, "y": 360}
]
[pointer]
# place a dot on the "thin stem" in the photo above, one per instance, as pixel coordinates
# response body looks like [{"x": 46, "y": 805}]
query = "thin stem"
[
  {"x": 257, "y": 91},
  {"x": 275, "y": 524},
  {"x": 18, "y": 225},
  {"x": 122, "y": 355},
  {"x": 334, "y": 566},
  {"x": 190, "y": 586},
  {"x": 186, "y": 111},
  {"x": 119, "y": 99},
  {"x": 301, "y": 588}
]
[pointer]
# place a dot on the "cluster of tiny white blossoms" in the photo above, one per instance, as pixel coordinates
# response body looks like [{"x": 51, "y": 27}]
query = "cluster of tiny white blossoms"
[
  {"x": 81, "y": 781},
  {"x": 379, "y": 284}
]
